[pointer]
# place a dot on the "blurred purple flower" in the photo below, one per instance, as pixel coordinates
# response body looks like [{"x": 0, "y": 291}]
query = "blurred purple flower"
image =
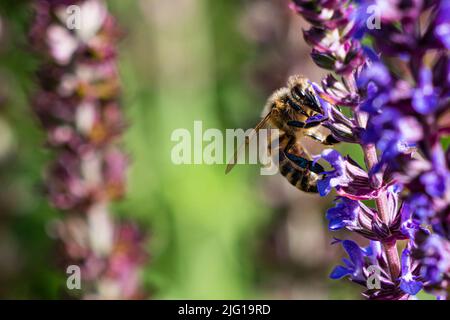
[
  {"x": 418, "y": 99},
  {"x": 433, "y": 252},
  {"x": 425, "y": 99}
]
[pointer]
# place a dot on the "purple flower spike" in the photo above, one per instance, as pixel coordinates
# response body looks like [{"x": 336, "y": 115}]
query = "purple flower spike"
[
  {"x": 78, "y": 106},
  {"x": 397, "y": 95}
]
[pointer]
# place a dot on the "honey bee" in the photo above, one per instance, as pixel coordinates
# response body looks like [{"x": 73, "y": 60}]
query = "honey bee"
[{"x": 296, "y": 111}]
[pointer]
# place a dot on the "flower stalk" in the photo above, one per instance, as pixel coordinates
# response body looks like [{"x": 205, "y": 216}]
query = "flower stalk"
[
  {"x": 398, "y": 105},
  {"x": 371, "y": 159},
  {"x": 78, "y": 107}
]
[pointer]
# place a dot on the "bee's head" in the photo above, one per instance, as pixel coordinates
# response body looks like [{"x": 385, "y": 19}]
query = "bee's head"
[
  {"x": 303, "y": 92},
  {"x": 277, "y": 101}
]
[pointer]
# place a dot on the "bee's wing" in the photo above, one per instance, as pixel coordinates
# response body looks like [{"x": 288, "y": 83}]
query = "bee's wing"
[{"x": 254, "y": 132}]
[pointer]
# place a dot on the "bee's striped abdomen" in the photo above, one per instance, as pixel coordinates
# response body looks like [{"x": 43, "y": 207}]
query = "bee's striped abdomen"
[{"x": 299, "y": 176}]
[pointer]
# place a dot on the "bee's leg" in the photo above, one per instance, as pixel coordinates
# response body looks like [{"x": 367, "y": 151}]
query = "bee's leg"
[
  {"x": 330, "y": 140},
  {"x": 298, "y": 170},
  {"x": 290, "y": 144},
  {"x": 314, "y": 103},
  {"x": 309, "y": 182},
  {"x": 326, "y": 140},
  {"x": 296, "y": 156},
  {"x": 308, "y": 97},
  {"x": 305, "y": 163},
  {"x": 304, "y": 125},
  {"x": 294, "y": 105}
]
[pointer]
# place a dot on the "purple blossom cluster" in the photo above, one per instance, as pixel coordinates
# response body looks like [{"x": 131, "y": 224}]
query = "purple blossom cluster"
[
  {"x": 393, "y": 78},
  {"x": 78, "y": 106}
]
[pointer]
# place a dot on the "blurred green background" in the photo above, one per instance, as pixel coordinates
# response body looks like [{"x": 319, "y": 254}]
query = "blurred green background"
[{"x": 211, "y": 236}]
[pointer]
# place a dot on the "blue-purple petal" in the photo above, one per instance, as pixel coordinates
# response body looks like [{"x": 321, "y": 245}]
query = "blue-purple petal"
[
  {"x": 339, "y": 272},
  {"x": 323, "y": 186},
  {"x": 354, "y": 252},
  {"x": 411, "y": 287}
]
